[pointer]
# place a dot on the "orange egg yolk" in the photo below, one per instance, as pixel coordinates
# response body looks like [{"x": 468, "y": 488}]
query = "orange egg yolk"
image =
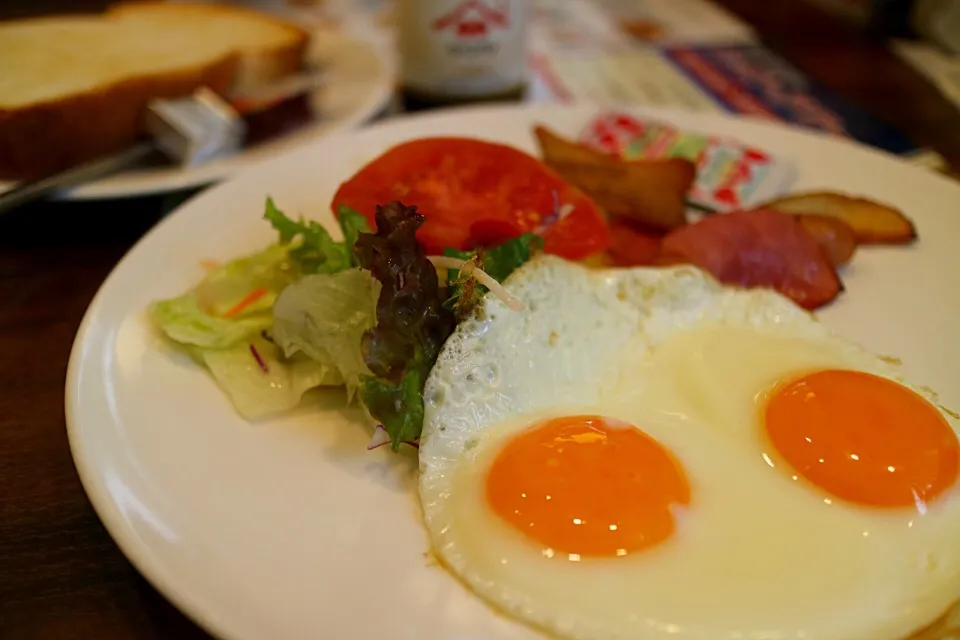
[
  {"x": 863, "y": 438},
  {"x": 587, "y": 486}
]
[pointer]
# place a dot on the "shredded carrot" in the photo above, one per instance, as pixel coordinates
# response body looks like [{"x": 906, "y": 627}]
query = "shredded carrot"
[
  {"x": 209, "y": 265},
  {"x": 251, "y": 297}
]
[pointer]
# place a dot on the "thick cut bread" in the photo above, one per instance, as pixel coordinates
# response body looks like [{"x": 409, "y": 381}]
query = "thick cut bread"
[
  {"x": 268, "y": 48},
  {"x": 73, "y": 88}
]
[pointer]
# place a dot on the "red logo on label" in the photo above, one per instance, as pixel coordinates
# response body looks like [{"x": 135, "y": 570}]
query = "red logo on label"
[{"x": 474, "y": 18}]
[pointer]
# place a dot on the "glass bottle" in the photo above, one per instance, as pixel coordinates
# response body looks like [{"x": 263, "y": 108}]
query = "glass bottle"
[{"x": 455, "y": 52}]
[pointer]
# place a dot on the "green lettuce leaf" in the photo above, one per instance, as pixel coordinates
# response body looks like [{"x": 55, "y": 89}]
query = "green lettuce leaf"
[
  {"x": 198, "y": 317},
  {"x": 312, "y": 247},
  {"x": 352, "y": 224},
  {"x": 183, "y": 321},
  {"x": 397, "y": 405},
  {"x": 412, "y": 323},
  {"x": 324, "y": 317},
  {"x": 222, "y": 321},
  {"x": 499, "y": 262},
  {"x": 260, "y": 382}
]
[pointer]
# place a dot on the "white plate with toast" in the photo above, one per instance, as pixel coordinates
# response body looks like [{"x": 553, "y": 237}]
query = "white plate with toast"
[
  {"x": 290, "y": 529},
  {"x": 60, "y": 108}
]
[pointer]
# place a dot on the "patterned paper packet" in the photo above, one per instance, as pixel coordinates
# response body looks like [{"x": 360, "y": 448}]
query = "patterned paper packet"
[{"x": 730, "y": 174}]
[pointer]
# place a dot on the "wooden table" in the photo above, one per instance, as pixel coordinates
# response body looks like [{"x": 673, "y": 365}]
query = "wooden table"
[{"x": 61, "y": 576}]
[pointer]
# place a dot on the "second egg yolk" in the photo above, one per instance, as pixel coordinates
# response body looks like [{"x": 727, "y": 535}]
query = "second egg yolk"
[
  {"x": 863, "y": 438},
  {"x": 587, "y": 486}
]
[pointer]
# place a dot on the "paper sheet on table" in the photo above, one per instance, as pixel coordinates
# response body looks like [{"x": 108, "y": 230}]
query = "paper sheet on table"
[
  {"x": 688, "y": 54},
  {"x": 709, "y": 62},
  {"x": 676, "y": 21}
]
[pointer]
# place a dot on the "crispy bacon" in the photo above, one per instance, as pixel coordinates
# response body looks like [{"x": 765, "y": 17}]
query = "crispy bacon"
[
  {"x": 760, "y": 248},
  {"x": 632, "y": 248}
]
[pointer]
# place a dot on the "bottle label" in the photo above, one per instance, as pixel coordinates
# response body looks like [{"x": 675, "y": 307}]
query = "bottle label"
[{"x": 463, "y": 47}]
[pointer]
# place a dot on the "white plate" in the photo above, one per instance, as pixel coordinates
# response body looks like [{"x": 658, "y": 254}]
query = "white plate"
[
  {"x": 291, "y": 529},
  {"x": 360, "y": 85}
]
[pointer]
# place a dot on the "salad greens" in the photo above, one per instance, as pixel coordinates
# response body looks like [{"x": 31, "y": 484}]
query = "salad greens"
[
  {"x": 312, "y": 248},
  {"x": 225, "y": 322},
  {"x": 412, "y": 323},
  {"x": 260, "y": 382},
  {"x": 210, "y": 315},
  {"x": 499, "y": 262},
  {"x": 367, "y": 312},
  {"x": 324, "y": 316}
]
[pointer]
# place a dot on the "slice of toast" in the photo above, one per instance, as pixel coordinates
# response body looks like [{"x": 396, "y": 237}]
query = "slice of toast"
[
  {"x": 268, "y": 48},
  {"x": 76, "y": 87}
]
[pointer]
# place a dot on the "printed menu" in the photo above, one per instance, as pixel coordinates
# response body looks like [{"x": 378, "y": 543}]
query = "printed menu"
[{"x": 688, "y": 54}]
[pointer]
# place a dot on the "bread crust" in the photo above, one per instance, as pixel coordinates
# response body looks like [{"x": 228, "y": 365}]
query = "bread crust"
[
  {"x": 50, "y": 136},
  {"x": 279, "y": 62},
  {"x": 265, "y": 65}
]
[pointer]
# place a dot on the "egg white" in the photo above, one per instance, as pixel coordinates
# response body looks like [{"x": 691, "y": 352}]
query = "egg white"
[{"x": 758, "y": 554}]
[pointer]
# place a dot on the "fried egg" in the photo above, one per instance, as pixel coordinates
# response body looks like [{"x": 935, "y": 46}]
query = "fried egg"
[{"x": 643, "y": 453}]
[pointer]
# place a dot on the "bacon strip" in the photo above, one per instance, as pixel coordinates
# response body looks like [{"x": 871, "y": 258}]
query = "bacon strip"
[
  {"x": 632, "y": 248},
  {"x": 760, "y": 248}
]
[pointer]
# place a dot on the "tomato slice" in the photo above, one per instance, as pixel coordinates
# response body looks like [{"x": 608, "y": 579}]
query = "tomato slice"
[{"x": 473, "y": 192}]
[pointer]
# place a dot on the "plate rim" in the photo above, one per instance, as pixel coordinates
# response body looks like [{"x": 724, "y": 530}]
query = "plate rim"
[{"x": 107, "y": 510}]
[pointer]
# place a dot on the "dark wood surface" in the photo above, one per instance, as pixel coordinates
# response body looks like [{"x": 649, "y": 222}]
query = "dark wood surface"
[
  {"x": 857, "y": 66},
  {"x": 61, "y": 576}
]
